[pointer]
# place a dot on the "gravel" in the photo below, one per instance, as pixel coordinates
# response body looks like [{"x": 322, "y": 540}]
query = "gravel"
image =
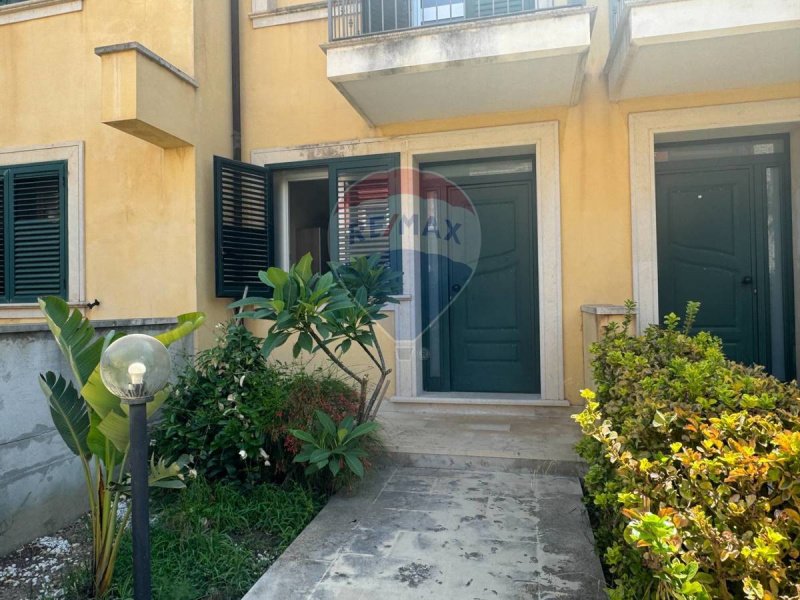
[{"x": 36, "y": 570}]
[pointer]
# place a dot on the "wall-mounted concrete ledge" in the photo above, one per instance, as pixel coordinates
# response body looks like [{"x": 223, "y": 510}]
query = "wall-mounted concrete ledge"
[
  {"x": 605, "y": 309},
  {"x": 98, "y": 324},
  {"x": 146, "y": 96},
  {"x": 147, "y": 53},
  {"x": 595, "y": 318}
]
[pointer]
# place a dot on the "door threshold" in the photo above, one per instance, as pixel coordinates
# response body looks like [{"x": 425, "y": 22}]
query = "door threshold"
[{"x": 478, "y": 399}]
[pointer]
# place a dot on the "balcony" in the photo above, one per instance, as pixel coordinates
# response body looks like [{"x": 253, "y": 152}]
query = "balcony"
[
  {"x": 662, "y": 47},
  {"x": 405, "y": 60}
]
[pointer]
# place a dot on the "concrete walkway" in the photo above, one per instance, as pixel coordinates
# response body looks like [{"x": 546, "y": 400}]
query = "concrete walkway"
[{"x": 481, "y": 527}]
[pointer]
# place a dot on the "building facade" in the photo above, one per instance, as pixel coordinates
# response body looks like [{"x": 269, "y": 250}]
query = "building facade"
[{"x": 644, "y": 149}]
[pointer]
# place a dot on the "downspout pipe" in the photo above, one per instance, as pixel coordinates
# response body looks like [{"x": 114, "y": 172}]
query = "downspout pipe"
[{"x": 236, "y": 95}]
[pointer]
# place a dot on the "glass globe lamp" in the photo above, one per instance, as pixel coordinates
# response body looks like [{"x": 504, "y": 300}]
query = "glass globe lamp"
[{"x": 135, "y": 367}]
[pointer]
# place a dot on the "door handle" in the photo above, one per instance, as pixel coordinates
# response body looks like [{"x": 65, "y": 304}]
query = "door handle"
[{"x": 747, "y": 280}]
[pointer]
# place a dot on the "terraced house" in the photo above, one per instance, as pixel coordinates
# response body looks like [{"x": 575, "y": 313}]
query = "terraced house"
[{"x": 155, "y": 155}]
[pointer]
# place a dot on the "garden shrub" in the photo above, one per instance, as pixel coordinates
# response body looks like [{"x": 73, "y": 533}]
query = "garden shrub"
[
  {"x": 694, "y": 469},
  {"x": 231, "y": 411}
]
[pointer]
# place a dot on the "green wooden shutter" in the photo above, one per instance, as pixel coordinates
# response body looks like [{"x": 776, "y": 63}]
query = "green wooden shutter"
[
  {"x": 3, "y": 269},
  {"x": 35, "y": 232},
  {"x": 364, "y": 200},
  {"x": 243, "y": 224}
]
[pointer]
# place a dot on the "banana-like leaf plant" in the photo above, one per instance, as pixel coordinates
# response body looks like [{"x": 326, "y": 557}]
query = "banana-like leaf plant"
[{"x": 94, "y": 425}]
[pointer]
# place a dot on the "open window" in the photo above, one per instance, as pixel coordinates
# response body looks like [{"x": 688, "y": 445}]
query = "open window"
[{"x": 271, "y": 216}]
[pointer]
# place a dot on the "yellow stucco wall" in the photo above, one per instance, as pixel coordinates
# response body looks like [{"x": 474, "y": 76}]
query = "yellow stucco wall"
[
  {"x": 289, "y": 102},
  {"x": 138, "y": 239},
  {"x": 148, "y": 210},
  {"x": 148, "y": 225}
]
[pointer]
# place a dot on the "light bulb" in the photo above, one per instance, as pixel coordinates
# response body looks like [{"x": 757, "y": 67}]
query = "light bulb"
[{"x": 136, "y": 372}]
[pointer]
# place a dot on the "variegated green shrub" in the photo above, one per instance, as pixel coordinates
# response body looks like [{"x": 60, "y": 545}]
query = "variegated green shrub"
[{"x": 694, "y": 477}]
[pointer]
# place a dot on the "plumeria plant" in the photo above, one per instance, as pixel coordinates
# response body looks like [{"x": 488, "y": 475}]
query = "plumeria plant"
[{"x": 330, "y": 313}]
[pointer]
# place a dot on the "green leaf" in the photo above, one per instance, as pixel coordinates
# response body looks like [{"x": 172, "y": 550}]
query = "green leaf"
[
  {"x": 116, "y": 428},
  {"x": 361, "y": 296},
  {"x": 304, "y": 455},
  {"x": 275, "y": 277},
  {"x": 305, "y": 341},
  {"x": 320, "y": 455},
  {"x": 354, "y": 465},
  {"x": 303, "y": 267},
  {"x": 327, "y": 423},
  {"x": 311, "y": 469},
  {"x": 363, "y": 429},
  {"x": 74, "y": 335},
  {"x": 249, "y": 301},
  {"x": 95, "y": 440},
  {"x": 187, "y": 323},
  {"x": 273, "y": 340},
  {"x": 69, "y": 412},
  {"x": 163, "y": 475},
  {"x": 303, "y": 436},
  {"x": 98, "y": 397},
  {"x": 334, "y": 465}
]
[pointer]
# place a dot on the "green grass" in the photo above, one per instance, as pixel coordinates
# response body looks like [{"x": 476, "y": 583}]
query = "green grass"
[{"x": 213, "y": 541}]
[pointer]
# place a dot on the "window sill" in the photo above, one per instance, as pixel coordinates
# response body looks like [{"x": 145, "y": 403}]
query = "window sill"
[
  {"x": 37, "y": 9},
  {"x": 28, "y": 310}
]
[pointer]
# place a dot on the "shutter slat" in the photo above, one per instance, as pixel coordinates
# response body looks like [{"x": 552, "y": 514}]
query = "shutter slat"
[{"x": 243, "y": 222}]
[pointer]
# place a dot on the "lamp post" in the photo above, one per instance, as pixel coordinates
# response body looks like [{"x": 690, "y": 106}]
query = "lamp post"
[{"x": 134, "y": 368}]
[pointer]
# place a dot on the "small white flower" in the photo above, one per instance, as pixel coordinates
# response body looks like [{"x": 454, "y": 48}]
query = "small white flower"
[
  {"x": 193, "y": 473},
  {"x": 231, "y": 398},
  {"x": 243, "y": 454}
]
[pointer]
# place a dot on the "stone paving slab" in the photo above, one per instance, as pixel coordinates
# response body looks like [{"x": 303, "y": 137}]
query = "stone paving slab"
[{"x": 411, "y": 532}]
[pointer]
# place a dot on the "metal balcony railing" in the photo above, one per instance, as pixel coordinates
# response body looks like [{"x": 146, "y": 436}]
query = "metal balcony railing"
[{"x": 355, "y": 18}]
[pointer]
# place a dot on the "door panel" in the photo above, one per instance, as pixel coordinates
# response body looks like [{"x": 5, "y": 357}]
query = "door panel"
[
  {"x": 705, "y": 253},
  {"x": 492, "y": 320}
]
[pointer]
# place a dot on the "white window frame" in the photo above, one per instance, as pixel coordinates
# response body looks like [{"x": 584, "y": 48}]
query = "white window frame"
[
  {"x": 37, "y": 9},
  {"x": 73, "y": 154}
]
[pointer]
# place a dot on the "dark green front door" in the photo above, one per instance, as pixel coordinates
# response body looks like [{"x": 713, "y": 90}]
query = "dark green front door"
[
  {"x": 488, "y": 335},
  {"x": 724, "y": 239},
  {"x": 705, "y": 242}
]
